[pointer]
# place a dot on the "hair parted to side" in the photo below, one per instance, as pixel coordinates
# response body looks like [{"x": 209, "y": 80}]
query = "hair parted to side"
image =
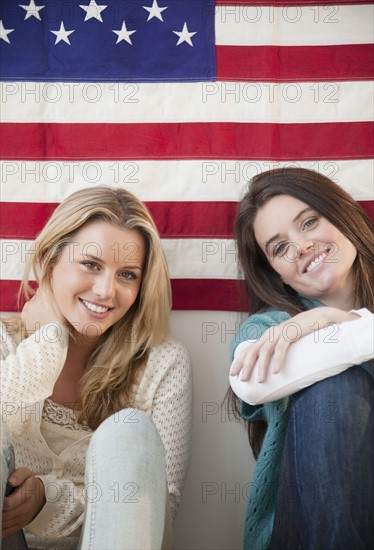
[
  {"x": 264, "y": 286},
  {"x": 124, "y": 347}
]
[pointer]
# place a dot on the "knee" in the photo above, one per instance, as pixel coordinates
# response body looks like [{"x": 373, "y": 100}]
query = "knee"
[
  {"x": 348, "y": 394},
  {"x": 131, "y": 428},
  {"x": 354, "y": 383}
]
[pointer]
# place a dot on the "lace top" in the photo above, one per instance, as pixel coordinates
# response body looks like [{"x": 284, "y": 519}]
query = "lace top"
[
  {"x": 48, "y": 439},
  {"x": 59, "y": 426}
]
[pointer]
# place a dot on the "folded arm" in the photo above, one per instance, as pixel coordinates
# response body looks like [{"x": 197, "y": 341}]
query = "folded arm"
[{"x": 314, "y": 357}]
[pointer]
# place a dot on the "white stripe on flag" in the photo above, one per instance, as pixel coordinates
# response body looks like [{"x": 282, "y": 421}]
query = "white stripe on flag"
[
  {"x": 191, "y": 180},
  {"x": 187, "y": 258},
  {"x": 286, "y": 102},
  {"x": 294, "y": 26}
]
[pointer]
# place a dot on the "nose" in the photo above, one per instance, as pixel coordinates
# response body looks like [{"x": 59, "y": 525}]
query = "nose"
[
  {"x": 104, "y": 286},
  {"x": 306, "y": 246}
]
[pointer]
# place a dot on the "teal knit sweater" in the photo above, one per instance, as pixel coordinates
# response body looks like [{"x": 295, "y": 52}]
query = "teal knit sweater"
[{"x": 262, "y": 502}]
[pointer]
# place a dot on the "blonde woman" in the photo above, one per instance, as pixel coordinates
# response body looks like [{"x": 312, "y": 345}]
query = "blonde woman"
[{"x": 96, "y": 396}]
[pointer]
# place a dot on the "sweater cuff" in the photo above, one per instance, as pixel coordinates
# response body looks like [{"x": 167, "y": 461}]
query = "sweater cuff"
[{"x": 38, "y": 524}]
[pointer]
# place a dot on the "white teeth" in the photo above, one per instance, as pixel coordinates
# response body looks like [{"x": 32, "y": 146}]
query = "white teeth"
[
  {"x": 95, "y": 309},
  {"x": 316, "y": 261}
]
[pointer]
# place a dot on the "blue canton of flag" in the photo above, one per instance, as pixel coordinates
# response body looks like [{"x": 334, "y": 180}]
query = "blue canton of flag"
[{"x": 107, "y": 40}]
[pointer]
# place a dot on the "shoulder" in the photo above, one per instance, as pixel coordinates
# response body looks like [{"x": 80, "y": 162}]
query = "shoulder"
[{"x": 256, "y": 324}]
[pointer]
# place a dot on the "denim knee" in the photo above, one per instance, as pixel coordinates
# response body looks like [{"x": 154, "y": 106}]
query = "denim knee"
[
  {"x": 351, "y": 390},
  {"x": 132, "y": 427}
]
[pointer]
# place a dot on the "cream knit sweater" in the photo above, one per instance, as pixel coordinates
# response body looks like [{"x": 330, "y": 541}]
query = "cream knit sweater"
[{"x": 28, "y": 372}]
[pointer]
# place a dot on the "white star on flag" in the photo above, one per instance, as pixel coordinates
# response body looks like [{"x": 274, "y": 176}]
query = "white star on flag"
[
  {"x": 4, "y": 32},
  {"x": 32, "y": 10},
  {"x": 155, "y": 11},
  {"x": 93, "y": 10},
  {"x": 62, "y": 34},
  {"x": 124, "y": 34},
  {"x": 184, "y": 35}
]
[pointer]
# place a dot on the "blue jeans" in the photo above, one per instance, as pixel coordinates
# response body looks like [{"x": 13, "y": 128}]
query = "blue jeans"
[
  {"x": 127, "y": 502},
  {"x": 325, "y": 497},
  {"x": 126, "y": 452}
]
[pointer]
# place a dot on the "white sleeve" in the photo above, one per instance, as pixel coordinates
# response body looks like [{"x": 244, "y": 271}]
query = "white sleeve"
[
  {"x": 63, "y": 511},
  {"x": 316, "y": 356},
  {"x": 30, "y": 369},
  {"x": 172, "y": 415}
]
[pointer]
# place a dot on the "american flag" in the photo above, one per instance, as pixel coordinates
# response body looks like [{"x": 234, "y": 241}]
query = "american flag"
[{"x": 181, "y": 102}]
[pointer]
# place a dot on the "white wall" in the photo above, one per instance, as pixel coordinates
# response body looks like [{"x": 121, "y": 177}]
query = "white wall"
[{"x": 214, "y": 499}]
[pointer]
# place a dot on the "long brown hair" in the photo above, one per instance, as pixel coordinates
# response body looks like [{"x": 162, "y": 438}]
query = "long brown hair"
[{"x": 263, "y": 284}]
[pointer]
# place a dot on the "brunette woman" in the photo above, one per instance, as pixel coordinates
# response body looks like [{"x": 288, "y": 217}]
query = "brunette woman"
[{"x": 306, "y": 250}]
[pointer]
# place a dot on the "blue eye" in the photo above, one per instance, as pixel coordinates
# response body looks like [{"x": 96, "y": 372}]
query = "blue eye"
[
  {"x": 128, "y": 275},
  {"x": 90, "y": 265},
  {"x": 309, "y": 223},
  {"x": 279, "y": 249}
]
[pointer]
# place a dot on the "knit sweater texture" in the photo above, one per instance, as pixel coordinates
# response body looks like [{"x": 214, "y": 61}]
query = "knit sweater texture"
[
  {"x": 261, "y": 506},
  {"x": 29, "y": 370}
]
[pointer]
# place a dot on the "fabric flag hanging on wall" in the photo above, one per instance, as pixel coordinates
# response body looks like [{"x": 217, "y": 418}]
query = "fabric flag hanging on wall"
[{"x": 181, "y": 102}]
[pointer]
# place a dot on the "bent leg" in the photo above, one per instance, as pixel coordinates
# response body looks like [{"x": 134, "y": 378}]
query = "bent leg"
[
  {"x": 126, "y": 486},
  {"x": 325, "y": 497}
]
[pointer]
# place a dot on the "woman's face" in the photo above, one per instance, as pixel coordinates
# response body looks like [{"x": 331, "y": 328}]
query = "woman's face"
[
  {"x": 309, "y": 253},
  {"x": 98, "y": 276}
]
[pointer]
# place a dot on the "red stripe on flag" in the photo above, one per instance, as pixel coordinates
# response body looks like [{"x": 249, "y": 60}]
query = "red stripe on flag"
[
  {"x": 193, "y": 294},
  {"x": 173, "y": 219},
  {"x": 213, "y": 220},
  {"x": 20, "y": 220},
  {"x": 209, "y": 294},
  {"x": 368, "y": 206},
  {"x": 194, "y": 219},
  {"x": 9, "y": 295},
  {"x": 216, "y": 140},
  {"x": 295, "y": 63}
]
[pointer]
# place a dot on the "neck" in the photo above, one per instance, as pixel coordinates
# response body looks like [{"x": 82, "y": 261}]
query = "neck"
[
  {"x": 79, "y": 351},
  {"x": 342, "y": 296},
  {"x": 342, "y": 300}
]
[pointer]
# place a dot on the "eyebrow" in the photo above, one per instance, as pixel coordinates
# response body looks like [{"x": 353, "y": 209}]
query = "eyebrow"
[{"x": 276, "y": 237}]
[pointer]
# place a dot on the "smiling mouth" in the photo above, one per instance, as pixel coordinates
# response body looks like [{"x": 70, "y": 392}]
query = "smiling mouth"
[
  {"x": 316, "y": 261},
  {"x": 94, "y": 308}
]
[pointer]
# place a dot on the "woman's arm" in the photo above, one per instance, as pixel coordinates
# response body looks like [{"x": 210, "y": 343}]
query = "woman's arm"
[
  {"x": 172, "y": 415},
  {"x": 30, "y": 369},
  {"x": 63, "y": 511},
  {"x": 24, "y": 503},
  {"x": 316, "y": 356}
]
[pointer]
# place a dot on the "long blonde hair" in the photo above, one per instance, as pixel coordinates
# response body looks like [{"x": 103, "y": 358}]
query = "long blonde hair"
[{"x": 106, "y": 386}]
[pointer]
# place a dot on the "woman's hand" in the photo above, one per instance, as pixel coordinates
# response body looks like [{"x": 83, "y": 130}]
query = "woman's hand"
[
  {"x": 25, "y": 503},
  {"x": 274, "y": 343},
  {"x": 40, "y": 311}
]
